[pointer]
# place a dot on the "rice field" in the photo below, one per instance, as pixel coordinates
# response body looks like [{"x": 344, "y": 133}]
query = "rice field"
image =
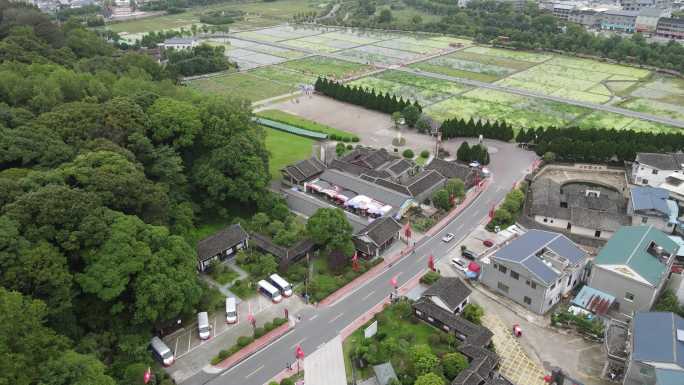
[{"x": 322, "y": 66}]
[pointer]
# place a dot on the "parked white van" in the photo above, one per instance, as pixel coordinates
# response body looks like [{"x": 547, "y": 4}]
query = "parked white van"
[
  {"x": 269, "y": 291},
  {"x": 161, "y": 351},
  {"x": 281, "y": 284},
  {"x": 231, "y": 310},
  {"x": 203, "y": 325}
]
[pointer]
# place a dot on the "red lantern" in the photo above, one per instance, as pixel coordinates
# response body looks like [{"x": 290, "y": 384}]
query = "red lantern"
[
  {"x": 431, "y": 263},
  {"x": 148, "y": 375},
  {"x": 393, "y": 281},
  {"x": 355, "y": 261},
  {"x": 299, "y": 352},
  {"x": 407, "y": 230}
]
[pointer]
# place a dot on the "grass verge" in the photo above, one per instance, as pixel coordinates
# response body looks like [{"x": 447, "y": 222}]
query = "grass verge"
[{"x": 294, "y": 120}]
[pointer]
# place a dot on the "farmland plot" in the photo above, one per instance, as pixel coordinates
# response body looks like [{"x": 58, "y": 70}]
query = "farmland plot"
[
  {"x": 471, "y": 66},
  {"x": 423, "y": 82},
  {"x": 243, "y": 84},
  {"x": 323, "y": 66},
  {"x": 608, "y": 121},
  {"x": 283, "y": 75},
  {"x": 655, "y": 107},
  {"x": 424, "y": 96},
  {"x": 492, "y": 60},
  {"x": 531, "y": 57}
]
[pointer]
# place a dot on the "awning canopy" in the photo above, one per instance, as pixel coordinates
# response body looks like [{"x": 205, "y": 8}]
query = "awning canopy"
[{"x": 474, "y": 267}]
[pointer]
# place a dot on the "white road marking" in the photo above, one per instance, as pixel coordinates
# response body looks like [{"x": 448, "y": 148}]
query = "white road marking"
[
  {"x": 368, "y": 295},
  {"x": 254, "y": 372},
  {"x": 336, "y": 318},
  {"x": 175, "y": 349},
  {"x": 298, "y": 342},
  {"x": 313, "y": 317}
]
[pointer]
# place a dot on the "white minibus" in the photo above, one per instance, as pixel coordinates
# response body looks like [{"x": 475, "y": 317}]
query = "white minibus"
[
  {"x": 161, "y": 351},
  {"x": 281, "y": 284},
  {"x": 269, "y": 291}
]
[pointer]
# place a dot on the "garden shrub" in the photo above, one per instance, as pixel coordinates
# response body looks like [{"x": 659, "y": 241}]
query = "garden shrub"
[
  {"x": 346, "y": 139},
  {"x": 429, "y": 278},
  {"x": 425, "y": 154},
  {"x": 244, "y": 341},
  {"x": 258, "y": 332},
  {"x": 355, "y": 139},
  {"x": 287, "y": 381},
  {"x": 268, "y": 326},
  {"x": 408, "y": 153},
  {"x": 215, "y": 360}
]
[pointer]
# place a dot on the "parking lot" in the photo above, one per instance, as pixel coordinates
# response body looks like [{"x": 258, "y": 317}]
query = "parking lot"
[
  {"x": 193, "y": 355},
  {"x": 188, "y": 339}
]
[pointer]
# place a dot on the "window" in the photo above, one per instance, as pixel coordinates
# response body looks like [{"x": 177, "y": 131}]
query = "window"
[
  {"x": 654, "y": 172},
  {"x": 645, "y": 371},
  {"x": 533, "y": 284},
  {"x": 564, "y": 205},
  {"x": 545, "y": 220},
  {"x": 496, "y": 265},
  {"x": 569, "y": 226},
  {"x": 553, "y": 286},
  {"x": 527, "y": 300},
  {"x": 597, "y": 234},
  {"x": 515, "y": 275},
  {"x": 503, "y": 269},
  {"x": 644, "y": 219},
  {"x": 629, "y": 296},
  {"x": 645, "y": 181},
  {"x": 502, "y": 287}
]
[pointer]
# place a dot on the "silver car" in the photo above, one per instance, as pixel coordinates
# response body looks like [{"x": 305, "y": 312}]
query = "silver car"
[
  {"x": 460, "y": 264},
  {"x": 448, "y": 237}
]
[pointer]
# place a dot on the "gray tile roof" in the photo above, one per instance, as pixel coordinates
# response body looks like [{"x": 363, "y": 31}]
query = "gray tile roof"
[
  {"x": 384, "y": 373},
  {"x": 523, "y": 251},
  {"x": 451, "y": 290},
  {"x": 305, "y": 169},
  {"x": 645, "y": 198},
  {"x": 284, "y": 254},
  {"x": 221, "y": 241},
  {"x": 668, "y": 161},
  {"x": 364, "y": 187},
  {"x": 607, "y": 212},
  {"x": 401, "y": 166},
  {"x": 655, "y": 338},
  {"x": 380, "y": 230},
  {"x": 452, "y": 170}
]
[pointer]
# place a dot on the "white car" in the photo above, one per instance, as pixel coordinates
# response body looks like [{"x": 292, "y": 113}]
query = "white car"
[
  {"x": 460, "y": 265},
  {"x": 448, "y": 237}
]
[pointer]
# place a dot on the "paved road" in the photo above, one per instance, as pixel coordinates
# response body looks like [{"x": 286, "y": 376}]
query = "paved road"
[
  {"x": 322, "y": 324},
  {"x": 532, "y": 94}
]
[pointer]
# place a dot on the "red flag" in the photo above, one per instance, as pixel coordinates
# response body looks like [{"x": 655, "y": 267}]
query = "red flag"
[
  {"x": 148, "y": 375},
  {"x": 431, "y": 263},
  {"x": 299, "y": 352},
  {"x": 355, "y": 261},
  {"x": 407, "y": 230},
  {"x": 393, "y": 281},
  {"x": 491, "y": 213}
]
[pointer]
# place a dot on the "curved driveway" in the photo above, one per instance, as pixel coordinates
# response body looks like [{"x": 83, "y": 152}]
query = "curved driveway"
[{"x": 319, "y": 325}]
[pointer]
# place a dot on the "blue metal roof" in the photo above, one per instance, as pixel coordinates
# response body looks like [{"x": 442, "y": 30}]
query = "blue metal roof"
[
  {"x": 669, "y": 377},
  {"x": 655, "y": 338},
  {"x": 523, "y": 250},
  {"x": 650, "y": 198},
  {"x": 590, "y": 299}
]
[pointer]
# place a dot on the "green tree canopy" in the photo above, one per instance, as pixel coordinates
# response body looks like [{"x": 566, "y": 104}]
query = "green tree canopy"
[
  {"x": 441, "y": 199},
  {"x": 455, "y": 187},
  {"x": 453, "y": 364},
  {"x": 429, "y": 379},
  {"x": 329, "y": 227},
  {"x": 473, "y": 313}
]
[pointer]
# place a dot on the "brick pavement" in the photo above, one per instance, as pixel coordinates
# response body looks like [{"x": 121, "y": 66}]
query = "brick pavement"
[{"x": 515, "y": 364}]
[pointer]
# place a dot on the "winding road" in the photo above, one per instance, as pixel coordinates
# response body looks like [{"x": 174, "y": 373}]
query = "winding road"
[{"x": 319, "y": 325}]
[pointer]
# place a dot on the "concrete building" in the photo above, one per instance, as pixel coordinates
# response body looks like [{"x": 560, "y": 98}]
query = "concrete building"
[
  {"x": 179, "y": 43},
  {"x": 634, "y": 267},
  {"x": 652, "y": 206},
  {"x": 652, "y": 168},
  {"x": 670, "y": 28},
  {"x": 674, "y": 184},
  {"x": 536, "y": 270},
  {"x": 647, "y": 20},
  {"x": 619, "y": 21},
  {"x": 589, "y": 18},
  {"x": 637, "y": 5},
  {"x": 657, "y": 350}
]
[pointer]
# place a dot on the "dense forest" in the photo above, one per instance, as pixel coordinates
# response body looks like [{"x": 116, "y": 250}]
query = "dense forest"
[
  {"x": 106, "y": 166},
  {"x": 530, "y": 28}
]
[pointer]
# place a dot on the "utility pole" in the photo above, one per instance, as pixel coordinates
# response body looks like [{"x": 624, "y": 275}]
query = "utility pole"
[{"x": 438, "y": 140}]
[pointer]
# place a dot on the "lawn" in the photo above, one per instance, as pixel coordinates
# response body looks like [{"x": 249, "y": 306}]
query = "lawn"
[
  {"x": 297, "y": 121},
  {"x": 285, "y": 149},
  {"x": 399, "y": 331},
  {"x": 224, "y": 275},
  {"x": 243, "y": 85},
  {"x": 323, "y": 66}
]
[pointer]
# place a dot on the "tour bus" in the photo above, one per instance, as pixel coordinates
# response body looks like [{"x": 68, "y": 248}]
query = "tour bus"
[
  {"x": 281, "y": 284},
  {"x": 203, "y": 325},
  {"x": 231, "y": 310},
  {"x": 161, "y": 351},
  {"x": 269, "y": 291}
]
